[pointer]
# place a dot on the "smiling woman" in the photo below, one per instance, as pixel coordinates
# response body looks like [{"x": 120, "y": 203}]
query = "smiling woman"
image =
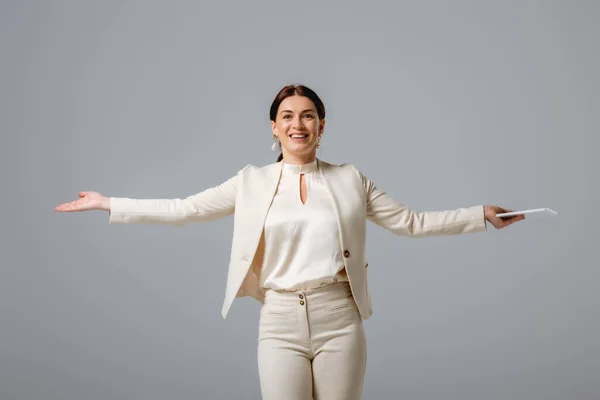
[
  {"x": 299, "y": 247},
  {"x": 297, "y": 121}
]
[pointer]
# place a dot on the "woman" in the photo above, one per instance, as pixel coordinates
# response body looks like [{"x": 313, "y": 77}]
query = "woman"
[{"x": 299, "y": 248}]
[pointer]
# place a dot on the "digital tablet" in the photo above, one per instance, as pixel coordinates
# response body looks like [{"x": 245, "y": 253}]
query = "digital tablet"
[{"x": 546, "y": 212}]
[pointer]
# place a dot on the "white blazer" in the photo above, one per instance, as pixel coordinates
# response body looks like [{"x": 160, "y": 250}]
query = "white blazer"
[{"x": 248, "y": 196}]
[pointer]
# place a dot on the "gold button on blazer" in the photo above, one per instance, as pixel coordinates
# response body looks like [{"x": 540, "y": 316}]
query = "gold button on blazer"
[{"x": 248, "y": 196}]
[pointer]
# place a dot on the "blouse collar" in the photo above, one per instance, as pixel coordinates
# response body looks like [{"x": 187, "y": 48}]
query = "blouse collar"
[{"x": 300, "y": 169}]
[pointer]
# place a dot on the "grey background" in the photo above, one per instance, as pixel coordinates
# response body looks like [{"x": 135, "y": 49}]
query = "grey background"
[{"x": 442, "y": 104}]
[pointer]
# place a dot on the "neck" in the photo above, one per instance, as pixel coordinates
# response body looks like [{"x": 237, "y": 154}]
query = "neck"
[{"x": 296, "y": 159}]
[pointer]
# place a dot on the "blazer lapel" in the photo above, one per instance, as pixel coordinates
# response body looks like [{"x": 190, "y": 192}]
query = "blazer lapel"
[
  {"x": 328, "y": 179},
  {"x": 349, "y": 208},
  {"x": 266, "y": 191},
  {"x": 259, "y": 193}
]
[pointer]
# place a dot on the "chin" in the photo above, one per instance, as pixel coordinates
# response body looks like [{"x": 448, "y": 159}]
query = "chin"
[{"x": 300, "y": 149}]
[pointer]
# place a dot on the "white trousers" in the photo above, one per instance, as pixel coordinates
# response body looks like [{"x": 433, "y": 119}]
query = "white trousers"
[{"x": 311, "y": 345}]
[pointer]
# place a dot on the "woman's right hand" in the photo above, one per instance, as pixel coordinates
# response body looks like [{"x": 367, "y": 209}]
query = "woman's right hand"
[{"x": 87, "y": 201}]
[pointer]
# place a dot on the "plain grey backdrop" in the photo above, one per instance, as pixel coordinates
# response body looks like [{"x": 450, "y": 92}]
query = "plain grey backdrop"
[{"x": 442, "y": 104}]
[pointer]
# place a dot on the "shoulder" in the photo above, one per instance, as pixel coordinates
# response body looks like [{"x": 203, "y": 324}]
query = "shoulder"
[
  {"x": 349, "y": 171},
  {"x": 347, "y": 168},
  {"x": 247, "y": 167},
  {"x": 256, "y": 168},
  {"x": 252, "y": 170}
]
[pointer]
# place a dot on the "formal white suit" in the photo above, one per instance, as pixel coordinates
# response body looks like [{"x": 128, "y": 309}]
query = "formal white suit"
[{"x": 248, "y": 196}]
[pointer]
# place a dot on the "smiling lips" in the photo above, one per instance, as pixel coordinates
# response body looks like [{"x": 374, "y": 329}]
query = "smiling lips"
[{"x": 299, "y": 136}]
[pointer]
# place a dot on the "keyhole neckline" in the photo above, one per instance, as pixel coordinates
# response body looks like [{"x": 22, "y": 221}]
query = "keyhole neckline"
[{"x": 300, "y": 182}]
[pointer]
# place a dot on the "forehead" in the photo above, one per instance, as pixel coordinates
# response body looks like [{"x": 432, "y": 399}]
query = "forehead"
[{"x": 297, "y": 104}]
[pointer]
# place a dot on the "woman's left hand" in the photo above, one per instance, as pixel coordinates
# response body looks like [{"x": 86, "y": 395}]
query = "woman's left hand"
[{"x": 498, "y": 222}]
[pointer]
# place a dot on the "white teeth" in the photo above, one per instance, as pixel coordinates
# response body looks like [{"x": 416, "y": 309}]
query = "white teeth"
[{"x": 299, "y": 136}]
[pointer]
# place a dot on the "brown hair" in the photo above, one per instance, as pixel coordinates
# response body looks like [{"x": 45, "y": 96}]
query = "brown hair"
[{"x": 292, "y": 90}]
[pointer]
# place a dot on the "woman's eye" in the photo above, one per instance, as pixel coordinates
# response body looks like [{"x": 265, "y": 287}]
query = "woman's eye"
[{"x": 309, "y": 115}]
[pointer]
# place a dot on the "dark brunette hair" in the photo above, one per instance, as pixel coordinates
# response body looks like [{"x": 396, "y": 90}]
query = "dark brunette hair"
[{"x": 299, "y": 90}]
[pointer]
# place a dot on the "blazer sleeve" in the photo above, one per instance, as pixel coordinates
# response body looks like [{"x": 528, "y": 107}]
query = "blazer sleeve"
[
  {"x": 394, "y": 216},
  {"x": 208, "y": 205}
]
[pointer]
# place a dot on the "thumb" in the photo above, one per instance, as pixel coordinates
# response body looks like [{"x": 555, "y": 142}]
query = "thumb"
[{"x": 82, "y": 194}]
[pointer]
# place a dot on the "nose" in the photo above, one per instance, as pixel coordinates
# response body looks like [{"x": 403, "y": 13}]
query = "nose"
[{"x": 298, "y": 123}]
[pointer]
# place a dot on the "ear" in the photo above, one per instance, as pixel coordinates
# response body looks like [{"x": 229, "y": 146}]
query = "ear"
[
  {"x": 321, "y": 126},
  {"x": 274, "y": 128}
]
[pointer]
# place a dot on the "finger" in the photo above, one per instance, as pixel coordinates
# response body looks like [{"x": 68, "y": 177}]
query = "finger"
[
  {"x": 82, "y": 194},
  {"x": 62, "y": 207},
  {"x": 506, "y": 210},
  {"x": 514, "y": 219},
  {"x": 72, "y": 206}
]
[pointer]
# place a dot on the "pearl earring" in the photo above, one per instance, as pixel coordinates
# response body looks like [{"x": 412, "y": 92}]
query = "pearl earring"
[{"x": 274, "y": 147}]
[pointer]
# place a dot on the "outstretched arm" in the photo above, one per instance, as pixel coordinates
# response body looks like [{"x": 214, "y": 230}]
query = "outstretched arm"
[
  {"x": 394, "y": 216},
  {"x": 210, "y": 204}
]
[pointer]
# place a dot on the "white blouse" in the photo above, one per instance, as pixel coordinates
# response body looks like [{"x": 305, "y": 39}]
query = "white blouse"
[{"x": 301, "y": 242}]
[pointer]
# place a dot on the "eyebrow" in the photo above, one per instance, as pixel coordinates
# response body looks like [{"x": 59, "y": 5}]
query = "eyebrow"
[{"x": 290, "y": 111}]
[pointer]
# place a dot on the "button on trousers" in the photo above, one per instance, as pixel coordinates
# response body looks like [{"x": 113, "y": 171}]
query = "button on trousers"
[{"x": 311, "y": 345}]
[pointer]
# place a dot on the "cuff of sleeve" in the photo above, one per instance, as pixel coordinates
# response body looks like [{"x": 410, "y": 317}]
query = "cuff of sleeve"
[
  {"x": 117, "y": 213},
  {"x": 479, "y": 218}
]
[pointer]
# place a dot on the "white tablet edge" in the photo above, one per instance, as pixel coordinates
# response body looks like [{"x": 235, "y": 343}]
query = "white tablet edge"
[{"x": 535, "y": 210}]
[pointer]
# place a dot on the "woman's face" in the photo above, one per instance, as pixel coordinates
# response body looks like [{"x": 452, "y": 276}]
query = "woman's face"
[{"x": 298, "y": 127}]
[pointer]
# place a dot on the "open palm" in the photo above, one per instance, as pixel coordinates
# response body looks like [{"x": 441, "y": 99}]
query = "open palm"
[{"x": 87, "y": 201}]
